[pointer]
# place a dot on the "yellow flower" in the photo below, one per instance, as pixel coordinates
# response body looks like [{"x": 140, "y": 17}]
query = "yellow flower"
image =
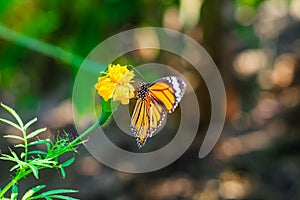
[{"x": 116, "y": 84}]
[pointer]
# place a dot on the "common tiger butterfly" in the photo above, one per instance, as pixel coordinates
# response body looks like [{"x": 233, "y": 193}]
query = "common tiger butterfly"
[{"x": 153, "y": 101}]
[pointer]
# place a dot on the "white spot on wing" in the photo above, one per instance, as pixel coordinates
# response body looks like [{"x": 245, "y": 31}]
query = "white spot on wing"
[{"x": 179, "y": 87}]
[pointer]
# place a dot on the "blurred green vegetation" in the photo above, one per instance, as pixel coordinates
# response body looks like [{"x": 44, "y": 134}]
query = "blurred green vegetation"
[{"x": 255, "y": 44}]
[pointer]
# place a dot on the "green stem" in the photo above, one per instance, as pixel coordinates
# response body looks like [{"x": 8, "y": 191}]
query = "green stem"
[
  {"x": 7, "y": 187},
  {"x": 10, "y": 184},
  {"x": 47, "y": 49},
  {"x": 101, "y": 121},
  {"x": 21, "y": 174},
  {"x": 25, "y": 144},
  {"x": 40, "y": 46}
]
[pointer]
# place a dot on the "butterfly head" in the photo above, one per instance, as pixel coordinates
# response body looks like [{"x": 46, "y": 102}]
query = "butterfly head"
[{"x": 142, "y": 92}]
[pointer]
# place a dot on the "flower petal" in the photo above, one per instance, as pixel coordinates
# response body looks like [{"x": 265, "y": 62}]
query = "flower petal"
[
  {"x": 116, "y": 84},
  {"x": 105, "y": 88}
]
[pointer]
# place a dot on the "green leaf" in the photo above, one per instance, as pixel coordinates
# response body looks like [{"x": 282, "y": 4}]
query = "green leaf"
[
  {"x": 63, "y": 197},
  {"x": 14, "y": 192},
  {"x": 14, "y": 114},
  {"x": 63, "y": 172},
  {"x": 68, "y": 162},
  {"x": 56, "y": 194},
  {"x": 14, "y": 137},
  {"x": 22, "y": 155},
  {"x": 13, "y": 159},
  {"x": 19, "y": 145},
  {"x": 35, "y": 171},
  {"x": 58, "y": 191},
  {"x": 38, "y": 152},
  {"x": 15, "y": 167},
  {"x": 48, "y": 147},
  {"x": 36, "y": 132},
  {"x": 7, "y": 157},
  {"x": 38, "y": 142},
  {"x": 11, "y": 123},
  {"x": 30, "y": 123},
  {"x": 32, "y": 191},
  {"x": 15, "y": 189},
  {"x": 46, "y": 165},
  {"x": 14, "y": 154}
]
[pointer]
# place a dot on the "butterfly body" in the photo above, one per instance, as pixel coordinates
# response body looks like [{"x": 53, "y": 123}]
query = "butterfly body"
[{"x": 153, "y": 101}]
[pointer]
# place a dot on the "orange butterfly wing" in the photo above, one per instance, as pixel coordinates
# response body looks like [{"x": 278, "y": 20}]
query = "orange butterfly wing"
[
  {"x": 168, "y": 91},
  {"x": 147, "y": 117},
  {"x": 140, "y": 121},
  {"x": 152, "y": 103}
]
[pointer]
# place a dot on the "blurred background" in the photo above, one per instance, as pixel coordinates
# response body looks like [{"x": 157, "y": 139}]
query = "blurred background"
[{"x": 255, "y": 44}]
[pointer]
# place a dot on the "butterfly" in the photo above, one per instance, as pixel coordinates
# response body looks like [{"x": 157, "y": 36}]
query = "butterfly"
[{"x": 153, "y": 101}]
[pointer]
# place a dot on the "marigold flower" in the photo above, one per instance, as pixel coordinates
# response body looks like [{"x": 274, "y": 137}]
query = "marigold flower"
[{"x": 116, "y": 84}]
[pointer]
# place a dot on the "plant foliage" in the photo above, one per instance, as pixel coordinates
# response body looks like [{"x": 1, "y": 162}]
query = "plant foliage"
[{"x": 31, "y": 160}]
